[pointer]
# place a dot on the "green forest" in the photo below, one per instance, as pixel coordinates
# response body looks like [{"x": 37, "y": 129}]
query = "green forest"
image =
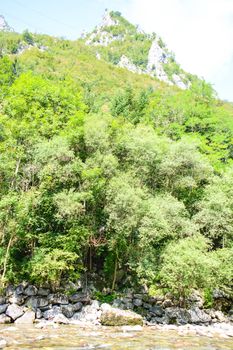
[{"x": 110, "y": 172}]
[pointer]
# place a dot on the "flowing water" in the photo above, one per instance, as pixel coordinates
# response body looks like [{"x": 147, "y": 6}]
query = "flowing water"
[{"x": 78, "y": 338}]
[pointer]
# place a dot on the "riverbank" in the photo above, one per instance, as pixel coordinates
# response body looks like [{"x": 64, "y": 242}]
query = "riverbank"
[
  {"x": 26, "y": 304},
  {"x": 170, "y": 337}
]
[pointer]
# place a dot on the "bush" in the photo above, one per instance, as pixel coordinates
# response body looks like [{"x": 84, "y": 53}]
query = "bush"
[
  {"x": 50, "y": 266},
  {"x": 186, "y": 265}
]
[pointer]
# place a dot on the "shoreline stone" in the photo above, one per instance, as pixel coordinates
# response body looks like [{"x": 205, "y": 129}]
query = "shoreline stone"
[{"x": 27, "y": 304}]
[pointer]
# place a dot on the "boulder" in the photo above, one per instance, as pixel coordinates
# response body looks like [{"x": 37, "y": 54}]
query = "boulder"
[
  {"x": 198, "y": 316},
  {"x": 4, "y": 319},
  {"x": 79, "y": 297},
  {"x": 3, "y": 308},
  {"x": 27, "y": 318},
  {"x": 44, "y": 292},
  {"x": 67, "y": 310},
  {"x": 61, "y": 319},
  {"x": 90, "y": 313},
  {"x": 195, "y": 299},
  {"x": 50, "y": 314},
  {"x": 14, "y": 311},
  {"x": 137, "y": 302},
  {"x": 77, "y": 306},
  {"x": 19, "y": 289},
  {"x": 2, "y": 300},
  {"x": 157, "y": 310},
  {"x": 59, "y": 299},
  {"x": 30, "y": 291},
  {"x": 9, "y": 291},
  {"x": 32, "y": 303},
  {"x": 177, "y": 315},
  {"x": 116, "y": 317},
  {"x": 16, "y": 299},
  {"x": 39, "y": 313},
  {"x": 3, "y": 343}
]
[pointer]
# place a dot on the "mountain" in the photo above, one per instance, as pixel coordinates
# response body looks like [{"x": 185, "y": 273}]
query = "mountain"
[
  {"x": 108, "y": 166},
  {"x": 4, "y": 25},
  {"x": 125, "y": 45}
]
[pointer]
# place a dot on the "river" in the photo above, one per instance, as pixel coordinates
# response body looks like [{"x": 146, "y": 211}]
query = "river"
[{"x": 77, "y": 338}]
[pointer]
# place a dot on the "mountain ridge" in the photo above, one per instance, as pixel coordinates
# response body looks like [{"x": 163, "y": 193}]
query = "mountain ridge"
[{"x": 142, "y": 53}]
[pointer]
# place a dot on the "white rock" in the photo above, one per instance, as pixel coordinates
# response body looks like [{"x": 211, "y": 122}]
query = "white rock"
[
  {"x": 27, "y": 318},
  {"x": 178, "y": 81},
  {"x": 14, "y": 311},
  {"x": 107, "y": 20},
  {"x": 126, "y": 63}
]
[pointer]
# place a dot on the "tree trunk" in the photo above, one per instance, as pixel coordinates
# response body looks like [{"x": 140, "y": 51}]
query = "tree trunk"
[
  {"x": 115, "y": 273},
  {"x": 6, "y": 259}
]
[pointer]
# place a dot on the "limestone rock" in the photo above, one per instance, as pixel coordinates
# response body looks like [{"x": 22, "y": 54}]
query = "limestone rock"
[
  {"x": 50, "y": 314},
  {"x": 137, "y": 302},
  {"x": 19, "y": 289},
  {"x": 3, "y": 308},
  {"x": 179, "y": 82},
  {"x": 177, "y": 315},
  {"x": 10, "y": 291},
  {"x": 3, "y": 343},
  {"x": 107, "y": 20},
  {"x": 14, "y": 311},
  {"x": 125, "y": 62},
  {"x": 4, "y": 25},
  {"x": 58, "y": 299},
  {"x": 27, "y": 318},
  {"x": 79, "y": 297},
  {"x": 2, "y": 300},
  {"x": 16, "y": 299},
  {"x": 67, "y": 310},
  {"x": 35, "y": 302},
  {"x": 157, "y": 311},
  {"x": 4, "y": 319},
  {"x": 89, "y": 313},
  {"x": 198, "y": 316},
  {"x": 30, "y": 291},
  {"x": 117, "y": 317},
  {"x": 61, "y": 319},
  {"x": 195, "y": 299},
  {"x": 43, "y": 292}
]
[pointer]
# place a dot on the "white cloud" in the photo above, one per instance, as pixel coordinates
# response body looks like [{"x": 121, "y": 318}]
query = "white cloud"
[{"x": 200, "y": 32}]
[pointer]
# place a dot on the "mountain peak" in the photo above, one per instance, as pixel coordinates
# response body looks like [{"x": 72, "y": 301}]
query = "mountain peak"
[
  {"x": 128, "y": 46},
  {"x": 4, "y": 27},
  {"x": 108, "y": 19}
]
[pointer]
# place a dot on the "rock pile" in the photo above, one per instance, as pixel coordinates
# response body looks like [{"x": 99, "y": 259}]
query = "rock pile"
[{"x": 28, "y": 304}]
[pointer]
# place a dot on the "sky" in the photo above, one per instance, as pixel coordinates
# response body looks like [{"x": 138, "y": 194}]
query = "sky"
[{"x": 199, "y": 32}]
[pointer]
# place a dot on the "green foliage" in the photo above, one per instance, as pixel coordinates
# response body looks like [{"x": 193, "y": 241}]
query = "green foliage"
[
  {"x": 48, "y": 267},
  {"x": 105, "y": 298},
  {"x": 103, "y": 169},
  {"x": 186, "y": 265},
  {"x": 27, "y": 37}
]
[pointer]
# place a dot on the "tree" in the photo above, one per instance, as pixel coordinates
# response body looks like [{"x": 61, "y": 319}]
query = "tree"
[
  {"x": 28, "y": 37},
  {"x": 215, "y": 211},
  {"x": 186, "y": 265}
]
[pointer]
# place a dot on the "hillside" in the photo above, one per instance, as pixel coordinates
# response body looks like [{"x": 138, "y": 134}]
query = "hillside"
[{"x": 110, "y": 166}]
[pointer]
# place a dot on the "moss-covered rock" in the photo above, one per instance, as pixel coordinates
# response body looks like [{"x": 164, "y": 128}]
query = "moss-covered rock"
[{"x": 116, "y": 317}]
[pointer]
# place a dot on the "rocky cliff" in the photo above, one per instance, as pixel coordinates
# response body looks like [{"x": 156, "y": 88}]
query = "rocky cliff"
[
  {"x": 4, "y": 25},
  {"x": 127, "y": 46}
]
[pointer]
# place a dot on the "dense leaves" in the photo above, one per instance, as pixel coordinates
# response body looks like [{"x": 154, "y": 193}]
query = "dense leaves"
[{"x": 133, "y": 183}]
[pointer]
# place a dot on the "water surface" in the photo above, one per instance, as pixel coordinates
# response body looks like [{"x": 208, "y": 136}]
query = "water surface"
[{"x": 78, "y": 338}]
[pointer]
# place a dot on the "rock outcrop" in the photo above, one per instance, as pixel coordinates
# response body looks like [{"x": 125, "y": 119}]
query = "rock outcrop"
[
  {"x": 26, "y": 304},
  {"x": 4, "y": 25},
  {"x": 126, "y": 63},
  {"x": 115, "y": 317}
]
